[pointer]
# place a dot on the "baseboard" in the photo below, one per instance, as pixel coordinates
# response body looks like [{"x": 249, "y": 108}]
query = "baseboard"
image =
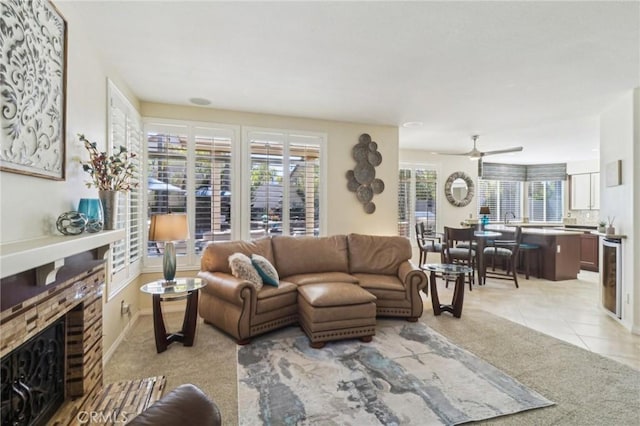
[{"x": 107, "y": 355}]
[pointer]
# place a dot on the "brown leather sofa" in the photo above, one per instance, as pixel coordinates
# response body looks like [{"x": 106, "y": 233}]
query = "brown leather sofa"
[
  {"x": 186, "y": 404},
  {"x": 379, "y": 264}
]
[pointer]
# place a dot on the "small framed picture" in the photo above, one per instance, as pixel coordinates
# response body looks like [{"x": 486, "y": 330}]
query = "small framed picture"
[{"x": 613, "y": 173}]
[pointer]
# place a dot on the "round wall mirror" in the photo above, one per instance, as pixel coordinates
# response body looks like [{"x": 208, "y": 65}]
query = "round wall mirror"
[{"x": 459, "y": 189}]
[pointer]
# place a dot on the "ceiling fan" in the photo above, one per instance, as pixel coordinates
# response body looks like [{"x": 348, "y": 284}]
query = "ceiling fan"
[{"x": 476, "y": 154}]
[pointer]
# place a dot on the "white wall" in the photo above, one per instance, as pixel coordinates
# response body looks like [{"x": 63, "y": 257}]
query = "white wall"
[
  {"x": 619, "y": 140},
  {"x": 344, "y": 213}
]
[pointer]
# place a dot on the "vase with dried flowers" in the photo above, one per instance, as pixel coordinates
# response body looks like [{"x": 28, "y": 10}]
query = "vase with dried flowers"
[{"x": 110, "y": 174}]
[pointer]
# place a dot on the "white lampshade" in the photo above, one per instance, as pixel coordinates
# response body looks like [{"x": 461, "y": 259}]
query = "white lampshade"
[{"x": 169, "y": 227}]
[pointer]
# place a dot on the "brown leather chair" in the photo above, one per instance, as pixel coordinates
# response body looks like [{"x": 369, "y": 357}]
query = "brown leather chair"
[
  {"x": 186, "y": 404},
  {"x": 458, "y": 249}
]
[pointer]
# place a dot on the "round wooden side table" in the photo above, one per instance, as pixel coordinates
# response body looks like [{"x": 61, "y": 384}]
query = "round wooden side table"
[
  {"x": 179, "y": 289},
  {"x": 459, "y": 271}
]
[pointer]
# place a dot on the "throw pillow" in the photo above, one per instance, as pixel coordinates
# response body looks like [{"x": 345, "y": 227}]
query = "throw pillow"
[
  {"x": 242, "y": 268},
  {"x": 266, "y": 270}
]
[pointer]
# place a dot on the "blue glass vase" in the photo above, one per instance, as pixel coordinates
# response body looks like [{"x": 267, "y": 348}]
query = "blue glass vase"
[{"x": 91, "y": 208}]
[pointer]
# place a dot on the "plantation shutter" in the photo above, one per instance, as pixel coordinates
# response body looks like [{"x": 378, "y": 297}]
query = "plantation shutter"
[
  {"x": 425, "y": 196},
  {"x": 166, "y": 178},
  {"x": 266, "y": 177},
  {"x": 213, "y": 172},
  {"x": 125, "y": 129},
  {"x": 404, "y": 203},
  {"x": 304, "y": 190}
]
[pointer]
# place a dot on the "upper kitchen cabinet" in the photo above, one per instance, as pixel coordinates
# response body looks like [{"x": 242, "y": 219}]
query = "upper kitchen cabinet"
[{"x": 585, "y": 191}]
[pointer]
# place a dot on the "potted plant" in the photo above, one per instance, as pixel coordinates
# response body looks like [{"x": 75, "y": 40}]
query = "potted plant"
[
  {"x": 602, "y": 225},
  {"x": 110, "y": 174}
]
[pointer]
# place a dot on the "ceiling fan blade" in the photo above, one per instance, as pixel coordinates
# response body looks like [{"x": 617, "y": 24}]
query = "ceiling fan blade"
[
  {"x": 454, "y": 153},
  {"x": 503, "y": 151}
]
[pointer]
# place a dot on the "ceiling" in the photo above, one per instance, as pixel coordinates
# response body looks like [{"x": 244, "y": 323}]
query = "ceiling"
[{"x": 536, "y": 74}]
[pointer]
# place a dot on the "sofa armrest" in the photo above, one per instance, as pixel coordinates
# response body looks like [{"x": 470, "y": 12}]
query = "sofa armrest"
[
  {"x": 227, "y": 287},
  {"x": 186, "y": 403},
  {"x": 413, "y": 278}
]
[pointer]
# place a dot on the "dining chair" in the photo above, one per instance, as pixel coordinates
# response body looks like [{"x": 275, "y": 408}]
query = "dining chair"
[
  {"x": 427, "y": 242},
  {"x": 461, "y": 255},
  {"x": 507, "y": 251}
]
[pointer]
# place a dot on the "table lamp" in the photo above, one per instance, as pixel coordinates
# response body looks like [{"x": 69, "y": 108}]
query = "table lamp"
[
  {"x": 485, "y": 212},
  {"x": 169, "y": 228}
]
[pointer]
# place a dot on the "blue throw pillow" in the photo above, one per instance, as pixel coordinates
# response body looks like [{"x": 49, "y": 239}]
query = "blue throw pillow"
[{"x": 265, "y": 269}]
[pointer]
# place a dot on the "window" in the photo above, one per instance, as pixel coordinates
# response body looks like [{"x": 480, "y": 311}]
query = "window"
[
  {"x": 195, "y": 168},
  {"x": 416, "y": 198},
  {"x": 189, "y": 170},
  {"x": 124, "y": 129},
  {"x": 504, "y": 198},
  {"x": 285, "y": 169},
  {"x": 546, "y": 201}
]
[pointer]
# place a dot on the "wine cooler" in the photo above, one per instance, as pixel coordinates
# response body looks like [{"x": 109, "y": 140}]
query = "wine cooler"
[{"x": 611, "y": 276}]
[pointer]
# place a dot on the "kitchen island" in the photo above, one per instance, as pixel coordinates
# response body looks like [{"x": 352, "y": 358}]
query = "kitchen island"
[{"x": 559, "y": 255}]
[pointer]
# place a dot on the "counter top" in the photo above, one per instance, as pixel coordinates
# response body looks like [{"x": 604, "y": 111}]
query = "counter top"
[
  {"x": 614, "y": 236},
  {"x": 533, "y": 231}
]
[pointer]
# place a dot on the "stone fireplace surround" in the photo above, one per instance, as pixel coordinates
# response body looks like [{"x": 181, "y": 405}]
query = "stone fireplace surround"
[{"x": 74, "y": 291}]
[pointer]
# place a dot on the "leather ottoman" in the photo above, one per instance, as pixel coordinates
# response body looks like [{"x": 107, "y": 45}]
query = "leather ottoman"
[{"x": 334, "y": 311}]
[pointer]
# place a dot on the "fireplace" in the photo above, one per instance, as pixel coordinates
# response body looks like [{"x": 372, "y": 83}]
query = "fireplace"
[
  {"x": 611, "y": 276},
  {"x": 32, "y": 386},
  {"x": 56, "y": 334}
]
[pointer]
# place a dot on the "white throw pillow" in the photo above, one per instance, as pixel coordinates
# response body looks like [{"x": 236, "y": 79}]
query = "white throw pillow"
[
  {"x": 242, "y": 268},
  {"x": 266, "y": 270}
]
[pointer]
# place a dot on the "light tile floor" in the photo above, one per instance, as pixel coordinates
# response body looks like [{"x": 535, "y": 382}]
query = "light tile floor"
[{"x": 567, "y": 310}]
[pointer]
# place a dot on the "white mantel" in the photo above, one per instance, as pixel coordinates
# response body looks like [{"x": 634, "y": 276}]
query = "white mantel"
[{"x": 49, "y": 252}]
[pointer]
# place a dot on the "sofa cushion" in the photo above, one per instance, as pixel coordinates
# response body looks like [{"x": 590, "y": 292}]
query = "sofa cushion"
[
  {"x": 376, "y": 254},
  {"x": 334, "y": 294},
  {"x": 242, "y": 268},
  {"x": 216, "y": 255},
  {"x": 322, "y": 277},
  {"x": 305, "y": 255},
  {"x": 382, "y": 286},
  {"x": 273, "y": 298},
  {"x": 265, "y": 269}
]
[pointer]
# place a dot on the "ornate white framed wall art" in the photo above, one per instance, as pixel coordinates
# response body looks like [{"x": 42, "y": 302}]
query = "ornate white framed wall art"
[{"x": 33, "y": 39}]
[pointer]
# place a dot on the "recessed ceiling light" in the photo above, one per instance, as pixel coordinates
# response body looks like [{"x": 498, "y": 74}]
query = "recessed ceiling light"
[
  {"x": 200, "y": 101},
  {"x": 412, "y": 124}
]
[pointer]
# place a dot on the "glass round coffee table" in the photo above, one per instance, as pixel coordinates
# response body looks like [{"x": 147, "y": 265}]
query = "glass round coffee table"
[
  {"x": 451, "y": 270},
  {"x": 179, "y": 289}
]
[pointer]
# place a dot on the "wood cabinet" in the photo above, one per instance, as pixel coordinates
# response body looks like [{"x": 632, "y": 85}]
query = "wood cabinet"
[
  {"x": 585, "y": 191},
  {"x": 589, "y": 252}
]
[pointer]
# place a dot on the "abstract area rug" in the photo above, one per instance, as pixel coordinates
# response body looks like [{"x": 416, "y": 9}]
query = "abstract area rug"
[{"x": 409, "y": 374}]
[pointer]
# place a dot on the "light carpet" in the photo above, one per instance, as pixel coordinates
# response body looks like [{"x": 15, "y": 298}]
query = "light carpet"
[
  {"x": 408, "y": 375},
  {"x": 587, "y": 388}
]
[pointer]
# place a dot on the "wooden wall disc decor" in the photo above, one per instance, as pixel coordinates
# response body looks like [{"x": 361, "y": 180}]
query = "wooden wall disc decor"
[{"x": 362, "y": 179}]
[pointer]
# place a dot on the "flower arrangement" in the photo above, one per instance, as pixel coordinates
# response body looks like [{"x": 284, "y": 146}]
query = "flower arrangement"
[{"x": 109, "y": 173}]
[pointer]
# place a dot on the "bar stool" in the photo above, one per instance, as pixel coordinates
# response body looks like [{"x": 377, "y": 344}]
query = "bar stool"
[{"x": 527, "y": 250}]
